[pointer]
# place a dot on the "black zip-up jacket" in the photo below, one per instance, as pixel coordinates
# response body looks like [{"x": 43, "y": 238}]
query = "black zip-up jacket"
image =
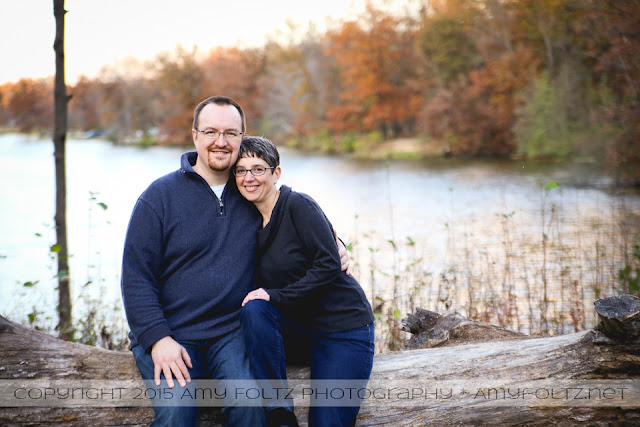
[{"x": 299, "y": 267}]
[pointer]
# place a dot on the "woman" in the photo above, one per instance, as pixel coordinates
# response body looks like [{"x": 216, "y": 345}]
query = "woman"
[{"x": 304, "y": 299}]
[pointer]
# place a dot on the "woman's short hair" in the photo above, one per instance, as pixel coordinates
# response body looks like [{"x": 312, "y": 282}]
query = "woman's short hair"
[{"x": 262, "y": 148}]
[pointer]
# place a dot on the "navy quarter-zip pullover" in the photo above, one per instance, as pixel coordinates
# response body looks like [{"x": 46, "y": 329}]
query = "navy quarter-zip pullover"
[{"x": 189, "y": 258}]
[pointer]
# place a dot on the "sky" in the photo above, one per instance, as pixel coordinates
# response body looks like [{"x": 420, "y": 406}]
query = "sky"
[{"x": 105, "y": 32}]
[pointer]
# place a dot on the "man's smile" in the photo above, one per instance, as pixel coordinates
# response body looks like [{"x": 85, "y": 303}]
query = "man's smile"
[{"x": 220, "y": 152}]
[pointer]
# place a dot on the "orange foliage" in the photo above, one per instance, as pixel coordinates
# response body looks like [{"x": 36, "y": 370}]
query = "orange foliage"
[
  {"x": 376, "y": 61},
  {"x": 477, "y": 115},
  {"x": 186, "y": 78},
  {"x": 30, "y": 104},
  {"x": 455, "y": 72},
  {"x": 235, "y": 73},
  {"x": 179, "y": 81},
  {"x": 84, "y": 107},
  {"x": 5, "y": 117}
]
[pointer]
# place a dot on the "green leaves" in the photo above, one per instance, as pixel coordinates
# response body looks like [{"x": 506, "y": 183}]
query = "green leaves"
[
  {"x": 551, "y": 185},
  {"x": 93, "y": 198}
]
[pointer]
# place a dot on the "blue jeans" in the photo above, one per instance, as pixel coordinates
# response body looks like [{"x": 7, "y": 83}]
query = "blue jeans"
[
  {"x": 222, "y": 358},
  {"x": 272, "y": 339}
]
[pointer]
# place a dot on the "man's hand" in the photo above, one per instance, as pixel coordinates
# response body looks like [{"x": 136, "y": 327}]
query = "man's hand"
[
  {"x": 169, "y": 356},
  {"x": 344, "y": 255}
]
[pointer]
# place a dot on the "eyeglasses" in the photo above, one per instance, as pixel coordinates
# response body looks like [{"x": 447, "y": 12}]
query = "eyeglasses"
[
  {"x": 257, "y": 171},
  {"x": 213, "y": 134}
]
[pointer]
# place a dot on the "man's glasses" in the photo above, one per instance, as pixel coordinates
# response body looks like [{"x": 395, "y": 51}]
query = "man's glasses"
[
  {"x": 213, "y": 134},
  {"x": 257, "y": 171}
]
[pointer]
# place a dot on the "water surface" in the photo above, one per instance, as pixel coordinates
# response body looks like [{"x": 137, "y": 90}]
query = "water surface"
[{"x": 483, "y": 220}]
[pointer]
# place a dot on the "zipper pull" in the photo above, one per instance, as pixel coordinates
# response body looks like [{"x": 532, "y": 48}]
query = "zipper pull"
[{"x": 221, "y": 206}]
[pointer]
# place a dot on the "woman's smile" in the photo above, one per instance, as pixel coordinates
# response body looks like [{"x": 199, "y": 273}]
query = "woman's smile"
[{"x": 251, "y": 188}]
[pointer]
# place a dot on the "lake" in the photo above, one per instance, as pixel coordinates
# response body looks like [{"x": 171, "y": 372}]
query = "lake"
[{"x": 479, "y": 237}]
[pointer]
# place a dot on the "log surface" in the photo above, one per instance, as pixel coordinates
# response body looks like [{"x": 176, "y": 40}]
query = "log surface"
[{"x": 507, "y": 362}]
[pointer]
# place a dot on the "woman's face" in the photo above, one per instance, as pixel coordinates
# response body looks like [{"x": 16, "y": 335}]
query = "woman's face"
[{"x": 259, "y": 188}]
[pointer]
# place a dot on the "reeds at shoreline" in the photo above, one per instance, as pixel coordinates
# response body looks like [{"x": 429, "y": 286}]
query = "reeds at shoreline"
[{"x": 539, "y": 280}]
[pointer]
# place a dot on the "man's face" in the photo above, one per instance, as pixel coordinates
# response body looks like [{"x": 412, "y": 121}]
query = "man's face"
[{"x": 221, "y": 154}]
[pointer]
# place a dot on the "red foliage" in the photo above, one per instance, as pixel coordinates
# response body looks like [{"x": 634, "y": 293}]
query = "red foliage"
[{"x": 476, "y": 115}]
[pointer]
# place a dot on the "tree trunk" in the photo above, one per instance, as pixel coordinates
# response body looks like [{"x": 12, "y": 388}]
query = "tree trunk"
[
  {"x": 61, "y": 100},
  {"x": 497, "y": 382}
]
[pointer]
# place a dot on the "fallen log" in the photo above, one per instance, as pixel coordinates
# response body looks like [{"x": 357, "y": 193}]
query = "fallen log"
[{"x": 500, "y": 382}]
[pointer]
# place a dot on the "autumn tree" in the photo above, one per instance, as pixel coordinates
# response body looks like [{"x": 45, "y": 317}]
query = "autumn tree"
[
  {"x": 129, "y": 108},
  {"x": 84, "y": 108},
  {"x": 481, "y": 71},
  {"x": 281, "y": 107},
  {"x": 114, "y": 108},
  {"x": 238, "y": 74},
  {"x": 376, "y": 61},
  {"x": 616, "y": 53},
  {"x": 570, "y": 109},
  {"x": 5, "y": 118},
  {"x": 29, "y": 104},
  {"x": 179, "y": 78},
  {"x": 488, "y": 77},
  {"x": 446, "y": 39},
  {"x": 300, "y": 88}
]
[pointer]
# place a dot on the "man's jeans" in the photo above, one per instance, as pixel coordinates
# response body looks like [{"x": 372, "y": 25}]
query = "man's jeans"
[
  {"x": 222, "y": 358},
  {"x": 346, "y": 355}
]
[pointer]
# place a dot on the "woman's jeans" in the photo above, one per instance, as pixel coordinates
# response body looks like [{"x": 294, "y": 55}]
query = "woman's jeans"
[
  {"x": 346, "y": 355},
  {"x": 222, "y": 358}
]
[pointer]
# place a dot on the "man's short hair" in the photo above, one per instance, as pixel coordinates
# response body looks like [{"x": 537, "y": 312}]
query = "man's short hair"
[
  {"x": 218, "y": 100},
  {"x": 262, "y": 148}
]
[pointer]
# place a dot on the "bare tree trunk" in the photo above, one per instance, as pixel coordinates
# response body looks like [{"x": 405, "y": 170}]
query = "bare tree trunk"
[{"x": 59, "y": 139}]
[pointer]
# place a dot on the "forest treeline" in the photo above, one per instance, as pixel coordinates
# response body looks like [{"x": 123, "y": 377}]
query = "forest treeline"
[{"x": 543, "y": 79}]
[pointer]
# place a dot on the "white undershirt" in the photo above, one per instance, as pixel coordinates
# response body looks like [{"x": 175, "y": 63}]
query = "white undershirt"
[{"x": 218, "y": 189}]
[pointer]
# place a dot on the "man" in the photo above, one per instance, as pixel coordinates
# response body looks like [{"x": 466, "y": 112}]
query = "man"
[{"x": 188, "y": 262}]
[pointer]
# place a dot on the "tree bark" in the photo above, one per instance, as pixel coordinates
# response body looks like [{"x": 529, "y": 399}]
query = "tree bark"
[
  {"x": 448, "y": 384},
  {"x": 619, "y": 317},
  {"x": 431, "y": 329},
  {"x": 61, "y": 100}
]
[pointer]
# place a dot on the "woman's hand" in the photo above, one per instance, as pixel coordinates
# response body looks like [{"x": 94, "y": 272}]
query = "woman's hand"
[
  {"x": 257, "y": 294},
  {"x": 344, "y": 255}
]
